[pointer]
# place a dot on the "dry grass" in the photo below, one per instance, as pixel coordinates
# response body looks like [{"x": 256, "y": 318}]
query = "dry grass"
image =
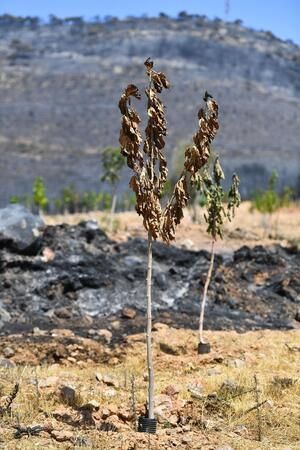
[
  {"x": 249, "y": 227},
  {"x": 213, "y": 422}
]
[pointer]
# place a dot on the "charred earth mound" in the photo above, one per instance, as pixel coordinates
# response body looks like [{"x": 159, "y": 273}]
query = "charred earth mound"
[{"x": 76, "y": 277}]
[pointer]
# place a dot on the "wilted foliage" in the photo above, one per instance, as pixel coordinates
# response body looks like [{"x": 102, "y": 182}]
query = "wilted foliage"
[
  {"x": 195, "y": 158},
  {"x": 148, "y": 180},
  {"x": 150, "y": 167},
  {"x": 130, "y": 136}
]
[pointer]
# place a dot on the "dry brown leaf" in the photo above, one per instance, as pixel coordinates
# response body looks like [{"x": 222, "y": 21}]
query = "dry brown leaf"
[{"x": 150, "y": 166}]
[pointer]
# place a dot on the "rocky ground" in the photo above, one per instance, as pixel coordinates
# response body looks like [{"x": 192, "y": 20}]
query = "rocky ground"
[
  {"x": 72, "y": 335},
  {"x": 204, "y": 402}
]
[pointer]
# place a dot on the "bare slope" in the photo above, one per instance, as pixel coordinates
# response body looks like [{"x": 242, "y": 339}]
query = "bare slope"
[{"x": 59, "y": 87}]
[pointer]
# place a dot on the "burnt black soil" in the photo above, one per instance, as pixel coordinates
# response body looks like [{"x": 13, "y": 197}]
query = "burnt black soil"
[{"x": 91, "y": 278}]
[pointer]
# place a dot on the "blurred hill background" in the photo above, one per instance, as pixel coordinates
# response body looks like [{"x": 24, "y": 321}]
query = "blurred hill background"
[{"x": 60, "y": 82}]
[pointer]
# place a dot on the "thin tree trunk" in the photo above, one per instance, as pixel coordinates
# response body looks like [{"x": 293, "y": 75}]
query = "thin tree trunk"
[
  {"x": 112, "y": 210},
  {"x": 195, "y": 212},
  {"x": 204, "y": 297},
  {"x": 149, "y": 332},
  {"x": 258, "y": 404}
]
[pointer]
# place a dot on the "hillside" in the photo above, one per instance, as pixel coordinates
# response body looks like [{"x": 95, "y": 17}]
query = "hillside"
[{"x": 60, "y": 84}]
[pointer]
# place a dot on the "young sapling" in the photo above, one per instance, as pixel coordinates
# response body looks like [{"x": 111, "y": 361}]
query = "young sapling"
[
  {"x": 268, "y": 201},
  {"x": 112, "y": 162},
  {"x": 215, "y": 217},
  {"x": 150, "y": 176},
  {"x": 39, "y": 195}
]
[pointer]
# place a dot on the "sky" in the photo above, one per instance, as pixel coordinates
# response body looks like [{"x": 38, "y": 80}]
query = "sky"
[{"x": 282, "y": 17}]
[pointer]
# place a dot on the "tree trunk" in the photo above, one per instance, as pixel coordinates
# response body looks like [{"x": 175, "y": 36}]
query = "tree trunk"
[
  {"x": 149, "y": 332},
  {"x": 112, "y": 210},
  {"x": 195, "y": 211},
  {"x": 204, "y": 297}
]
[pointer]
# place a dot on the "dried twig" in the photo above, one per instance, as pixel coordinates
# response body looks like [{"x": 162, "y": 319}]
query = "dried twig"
[
  {"x": 36, "y": 383},
  {"x": 256, "y": 408},
  {"x": 133, "y": 401},
  {"x": 240, "y": 394},
  {"x": 125, "y": 379},
  {"x": 292, "y": 349},
  {"x": 9, "y": 400},
  {"x": 258, "y": 404},
  {"x": 253, "y": 408}
]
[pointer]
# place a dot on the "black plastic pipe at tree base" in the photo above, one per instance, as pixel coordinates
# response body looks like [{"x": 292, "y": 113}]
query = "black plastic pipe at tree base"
[
  {"x": 146, "y": 425},
  {"x": 203, "y": 347}
]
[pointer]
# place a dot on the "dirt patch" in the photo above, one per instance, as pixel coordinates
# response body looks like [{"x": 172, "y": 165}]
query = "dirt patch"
[{"x": 249, "y": 227}]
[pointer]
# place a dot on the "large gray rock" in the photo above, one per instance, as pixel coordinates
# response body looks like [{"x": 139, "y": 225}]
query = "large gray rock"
[{"x": 19, "y": 229}]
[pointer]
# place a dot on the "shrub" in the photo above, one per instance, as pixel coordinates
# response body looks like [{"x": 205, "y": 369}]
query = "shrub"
[
  {"x": 39, "y": 194},
  {"x": 14, "y": 199},
  {"x": 70, "y": 199},
  {"x": 112, "y": 163},
  {"x": 268, "y": 201},
  {"x": 90, "y": 200}
]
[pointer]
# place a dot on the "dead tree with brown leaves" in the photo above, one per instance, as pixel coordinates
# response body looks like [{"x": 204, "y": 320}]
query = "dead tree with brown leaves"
[{"x": 150, "y": 175}]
